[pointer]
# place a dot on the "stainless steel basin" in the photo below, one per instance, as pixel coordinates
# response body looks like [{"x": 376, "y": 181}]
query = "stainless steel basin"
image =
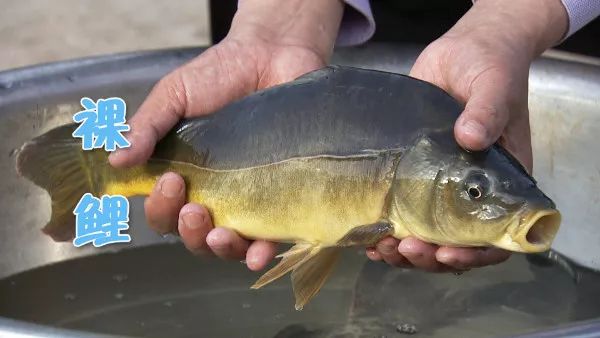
[{"x": 154, "y": 288}]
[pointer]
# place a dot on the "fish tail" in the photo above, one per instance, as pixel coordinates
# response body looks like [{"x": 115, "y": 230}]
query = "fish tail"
[
  {"x": 310, "y": 266},
  {"x": 56, "y": 162}
]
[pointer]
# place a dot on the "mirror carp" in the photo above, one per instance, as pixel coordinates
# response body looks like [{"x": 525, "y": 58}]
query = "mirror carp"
[{"x": 339, "y": 157}]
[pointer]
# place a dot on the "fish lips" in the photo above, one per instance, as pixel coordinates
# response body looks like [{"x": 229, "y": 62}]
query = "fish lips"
[
  {"x": 538, "y": 230},
  {"x": 533, "y": 231}
]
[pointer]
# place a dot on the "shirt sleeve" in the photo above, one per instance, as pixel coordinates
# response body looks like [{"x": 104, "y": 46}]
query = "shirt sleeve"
[
  {"x": 358, "y": 25},
  {"x": 580, "y": 12}
]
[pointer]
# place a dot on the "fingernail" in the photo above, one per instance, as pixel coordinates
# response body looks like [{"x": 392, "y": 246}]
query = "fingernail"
[
  {"x": 215, "y": 240},
  {"x": 251, "y": 260},
  {"x": 408, "y": 247},
  {"x": 475, "y": 128},
  {"x": 446, "y": 259},
  {"x": 373, "y": 255},
  {"x": 192, "y": 220},
  {"x": 116, "y": 154},
  {"x": 170, "y": 185}
]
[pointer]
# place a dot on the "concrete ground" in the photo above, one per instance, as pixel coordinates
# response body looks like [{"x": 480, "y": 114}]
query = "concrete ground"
[{"x": 38, "y": 31}]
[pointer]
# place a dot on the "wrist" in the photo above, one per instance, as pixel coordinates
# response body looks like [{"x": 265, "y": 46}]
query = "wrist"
[
  {"x": 530, "y": 25},
  {"x": 309, "y": 24}
]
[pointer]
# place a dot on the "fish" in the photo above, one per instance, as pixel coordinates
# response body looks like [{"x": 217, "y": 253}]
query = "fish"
[{"x": 339, "y": 157}]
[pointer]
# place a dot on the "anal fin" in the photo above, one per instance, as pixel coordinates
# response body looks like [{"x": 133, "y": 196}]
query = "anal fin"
[
  {"x": 309, "y": 277},
  {"x": 310, "y": 266},
  {"x": 290, "y": 260}
]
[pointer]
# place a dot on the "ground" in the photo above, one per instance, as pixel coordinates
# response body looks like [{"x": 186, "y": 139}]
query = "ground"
[{"x": 38, "y": 31}]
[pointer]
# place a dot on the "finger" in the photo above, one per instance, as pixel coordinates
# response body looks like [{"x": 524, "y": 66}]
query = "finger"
[
  {"x": 388, "y": 248},
  {"x": 467, "y": 258},
  {"x": 199, "y": 87},
  {"x": 164, "y": 202},
  {"x": 517, "y": 139},
  {"x": 373, "y": 254},
  {"x": 165, "y": 105},
  {"x": 259, "y": 254},
  {"x": 227, "y": 244},
  {"x": 421, "y": 254},
  {"x": 194, "y": 225},
  {"x": 486, "y": 113}
]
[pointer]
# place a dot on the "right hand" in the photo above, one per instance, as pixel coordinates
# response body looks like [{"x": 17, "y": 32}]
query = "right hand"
[
  {"x": 483, "y": 61},
  {"x": 270, "y": 42}
]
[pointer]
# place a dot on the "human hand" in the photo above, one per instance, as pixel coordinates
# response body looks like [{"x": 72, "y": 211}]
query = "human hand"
[
  {"x": 270, "y": 42},
  {"x": 484, "y": 62}
]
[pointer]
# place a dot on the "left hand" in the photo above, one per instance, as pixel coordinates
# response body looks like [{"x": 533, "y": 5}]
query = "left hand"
[
  {"x": 484, "y": 62},
  {"x": 270, "y": 42}
]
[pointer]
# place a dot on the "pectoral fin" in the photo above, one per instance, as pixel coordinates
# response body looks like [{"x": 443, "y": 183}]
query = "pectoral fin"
[
  {"x": 367, "y": 234},
  {"x": 310, "y": 266}
]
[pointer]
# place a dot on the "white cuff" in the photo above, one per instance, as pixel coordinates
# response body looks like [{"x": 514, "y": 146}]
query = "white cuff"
[{"x": 580, "y": 12}]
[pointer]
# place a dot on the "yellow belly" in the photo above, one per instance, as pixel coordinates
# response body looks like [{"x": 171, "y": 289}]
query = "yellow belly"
[{"x": 316, "y": 200}]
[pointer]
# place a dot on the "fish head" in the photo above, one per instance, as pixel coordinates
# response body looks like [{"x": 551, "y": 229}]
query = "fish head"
[{"x": 447, "y": 195}]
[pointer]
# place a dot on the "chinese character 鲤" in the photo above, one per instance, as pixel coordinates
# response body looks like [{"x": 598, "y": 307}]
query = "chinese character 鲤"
[{"x": 100, "y": 221}]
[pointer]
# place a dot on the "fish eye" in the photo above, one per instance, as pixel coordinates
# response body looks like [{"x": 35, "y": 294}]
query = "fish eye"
[
  {"x": 477, "y": 185},
  {"x": 474, "y": 192}
]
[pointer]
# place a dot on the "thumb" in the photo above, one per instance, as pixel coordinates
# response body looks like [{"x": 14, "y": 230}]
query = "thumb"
[
  {"x": 205, "y": 84},
  {"x": 486, "y": 112}
]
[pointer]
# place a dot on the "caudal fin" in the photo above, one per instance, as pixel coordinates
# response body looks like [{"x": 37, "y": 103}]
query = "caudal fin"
[{"x": 56, "y": 162}]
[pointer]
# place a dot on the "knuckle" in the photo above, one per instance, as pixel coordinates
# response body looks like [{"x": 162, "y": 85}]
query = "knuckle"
[
  {"x": 174, "y": 89},
  {"x": 486, "y": 112}
]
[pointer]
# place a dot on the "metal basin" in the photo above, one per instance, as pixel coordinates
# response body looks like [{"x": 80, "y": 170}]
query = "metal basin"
[{"x": 154, "y": 288}]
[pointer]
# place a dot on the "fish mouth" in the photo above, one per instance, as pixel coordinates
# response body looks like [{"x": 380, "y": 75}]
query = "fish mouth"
[{"x": 537, "y": 230}]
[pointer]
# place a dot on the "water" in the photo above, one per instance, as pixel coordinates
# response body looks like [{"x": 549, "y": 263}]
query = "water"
[
  {"x": 164, "y": 291},
  {"x": 120, "y": 277}
]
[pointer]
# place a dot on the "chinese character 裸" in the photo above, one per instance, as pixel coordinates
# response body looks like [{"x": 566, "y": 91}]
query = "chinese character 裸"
[
  {"x": 100, "y": 221},
  {"x": 102, "y": 124}
]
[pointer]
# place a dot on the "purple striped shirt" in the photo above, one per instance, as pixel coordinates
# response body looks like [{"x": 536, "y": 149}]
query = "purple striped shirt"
[
  {"x": 358, "y": 25},
  {"x": 581, "y": 12}
]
